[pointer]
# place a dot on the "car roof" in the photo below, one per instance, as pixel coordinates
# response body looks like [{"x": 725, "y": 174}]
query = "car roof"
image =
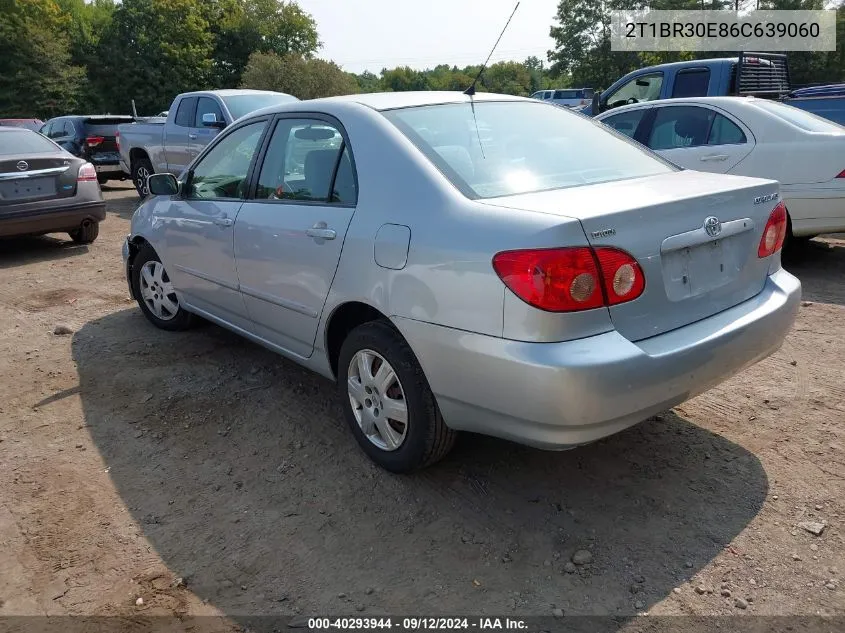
[
  {"x": 230, "y": 92},
  {"x": 688, "y": 64},
  {"x": 382, "y": 101}
]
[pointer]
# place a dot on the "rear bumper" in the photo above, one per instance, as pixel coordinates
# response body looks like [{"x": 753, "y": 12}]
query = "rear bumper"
[
  {"x": 559, "y": 395},
  {"x": 51, "y": 219}
]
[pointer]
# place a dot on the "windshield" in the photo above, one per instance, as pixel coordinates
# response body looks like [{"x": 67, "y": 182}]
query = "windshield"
[
  {"x": 29, "y": 125},
  {"x": 520, "y": 147},
  {"x": 241, "y": 105},
  {"x": 800, "y": 118},
  {"x": 22, "y": 141}
]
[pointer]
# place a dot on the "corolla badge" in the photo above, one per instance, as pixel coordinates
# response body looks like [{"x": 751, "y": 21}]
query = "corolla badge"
[
  {"x": 767, "y": 198},
  {"x": 22, "y": 165},
  {"x": 713, "y": 226}
]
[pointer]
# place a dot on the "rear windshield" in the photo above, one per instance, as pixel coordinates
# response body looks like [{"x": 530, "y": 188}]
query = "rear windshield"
[
  {"x": 28, "y": 125},
  {"x": 799, "y": 118},
  {"x": 105, "y": 126},
  {"x": 241, "y": 105},
  {"x": 507, "y": 148},
  {"x": 25, "y": 142}
]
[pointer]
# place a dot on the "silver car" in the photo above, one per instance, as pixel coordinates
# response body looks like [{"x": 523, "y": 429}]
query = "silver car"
[{"x": 547, "y": 281}]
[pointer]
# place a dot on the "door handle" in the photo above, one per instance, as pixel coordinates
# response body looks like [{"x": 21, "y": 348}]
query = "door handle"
[
  {"x": 223, "y": 221},
  {"x": 716, "y": 157},
  {"x": 321, "y": 231},
  {"x": 192, "y": 136}
]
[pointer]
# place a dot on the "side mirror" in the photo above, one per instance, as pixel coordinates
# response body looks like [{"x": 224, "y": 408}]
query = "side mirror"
[
  {"x": 163, "y": 185},
  {"x": 209, "y": 119}
]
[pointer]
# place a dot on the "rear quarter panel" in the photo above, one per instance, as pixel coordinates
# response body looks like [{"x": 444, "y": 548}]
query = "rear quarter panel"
[{"x": 146, "y": 136}]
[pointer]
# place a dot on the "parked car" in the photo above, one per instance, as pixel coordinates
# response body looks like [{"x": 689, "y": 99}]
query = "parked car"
[
  {"x": 46, "y": 189},
  {"x": 91, "y": 137},
  {"x": 553, "y": 287},
  {"x": 569, "y": 97},
  {"x": 193, "y": 120},
  {"x": 29, "y": 124},
  {"x": 751, "y": 137},
  {"x": 764, "y": 75}
]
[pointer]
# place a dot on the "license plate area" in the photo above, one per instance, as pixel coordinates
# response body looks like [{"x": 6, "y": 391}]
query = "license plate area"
[
  {"x": 27, "y": 188},
  {"x": 702, "y": 268}
]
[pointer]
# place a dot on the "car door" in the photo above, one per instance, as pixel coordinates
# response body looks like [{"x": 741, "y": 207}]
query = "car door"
[
  {"x": 204, "y": 134},
  {"x": 289, "y": 235},
  {"x": 179, "y": 145},
  {"x": 198, "y": 228},
  {"x": 698, "y": 137}
]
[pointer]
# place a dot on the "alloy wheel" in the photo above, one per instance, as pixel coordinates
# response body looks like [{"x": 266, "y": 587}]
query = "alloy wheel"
[
  {"x": 157, "y": 291},
  {"x": 378, "y": 400}
]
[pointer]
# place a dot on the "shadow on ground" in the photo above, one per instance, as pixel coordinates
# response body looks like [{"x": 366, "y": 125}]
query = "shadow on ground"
[
  {"x": 238, "y": 468},
  {"x": 19, "y": 251},
  {"x": 819, "y": 265}
]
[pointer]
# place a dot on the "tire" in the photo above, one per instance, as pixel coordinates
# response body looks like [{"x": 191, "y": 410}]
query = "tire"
[
  {"x": 167, "y": 315},
  {"x": 86, "y": 233},
  {"x": 425, "y": 438},
  {"x": 142, "y": 169}
]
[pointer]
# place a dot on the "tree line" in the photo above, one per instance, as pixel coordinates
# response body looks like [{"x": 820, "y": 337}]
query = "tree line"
[{"x": 73, "y": 56}]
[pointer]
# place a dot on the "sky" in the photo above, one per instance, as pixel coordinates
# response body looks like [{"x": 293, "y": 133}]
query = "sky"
[{"x": 370, "y": 35}]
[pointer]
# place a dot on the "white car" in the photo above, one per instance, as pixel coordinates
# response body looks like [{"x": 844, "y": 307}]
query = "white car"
[{"x": 746, "y": 136}]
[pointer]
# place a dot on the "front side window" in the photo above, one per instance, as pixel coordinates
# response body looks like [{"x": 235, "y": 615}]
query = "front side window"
[
  {"x": 222, "y": 172},
  {"x": 638, "y": 90},
  {"x": 691, "y": 83},
  {"x": 307, "y": 160},
  {"x": 680, "y": 126},
  {"x": 493, "y": 149},
  {"x": 185, "y": 112},
  {"x": 626, "y": 122},
  {"x": 206, "y": 105}
]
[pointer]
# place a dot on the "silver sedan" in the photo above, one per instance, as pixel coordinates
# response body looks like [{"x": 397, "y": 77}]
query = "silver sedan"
[{"x": 489, "y": 264}]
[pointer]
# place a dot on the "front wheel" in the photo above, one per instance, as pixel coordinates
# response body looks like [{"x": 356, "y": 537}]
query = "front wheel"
[
  {"x": 155, "y": 294},
  {"x": 387, "y": 401},
  {"x": 142, "y": 169}
]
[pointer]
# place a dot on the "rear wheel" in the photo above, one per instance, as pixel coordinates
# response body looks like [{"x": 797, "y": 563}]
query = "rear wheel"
[
  {"x": 155, "y": 294},
  {"x": 387, "y": 401},
  {"x": 142, "y": 169},
  {"x": 86, "y": 233}
]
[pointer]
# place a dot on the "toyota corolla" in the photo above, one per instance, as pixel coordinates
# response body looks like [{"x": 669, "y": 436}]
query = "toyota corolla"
[{"x": 488, "y": 264}]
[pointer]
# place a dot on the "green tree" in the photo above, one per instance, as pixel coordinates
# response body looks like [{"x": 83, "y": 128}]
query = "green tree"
[
  {"x": 242, "y": 27},
  {"x": 153, "y": 50},
  {"x": 368, "y": 82},
  {"x": 507, "y": 78},
  {"x": 38, "y": 78},
  {"x": 305, "y": 78},
  {"x": 403, "y": 79}
]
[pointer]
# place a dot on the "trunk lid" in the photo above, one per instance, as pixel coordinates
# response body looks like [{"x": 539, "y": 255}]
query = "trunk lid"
[
  {"x": 103, "y": 131},
  {"x": 690, "y": 274},
  {"x": 29, "y": 178}
]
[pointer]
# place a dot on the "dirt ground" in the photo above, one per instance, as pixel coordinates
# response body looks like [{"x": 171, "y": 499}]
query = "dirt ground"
[{"x": 206, "y": 475}]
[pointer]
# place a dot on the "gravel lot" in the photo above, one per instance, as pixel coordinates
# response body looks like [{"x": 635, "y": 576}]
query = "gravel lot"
[{"x": 131, "y": 458}]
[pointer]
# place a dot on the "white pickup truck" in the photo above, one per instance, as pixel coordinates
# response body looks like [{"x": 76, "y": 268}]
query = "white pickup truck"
[{"x": 194, "y": 118}]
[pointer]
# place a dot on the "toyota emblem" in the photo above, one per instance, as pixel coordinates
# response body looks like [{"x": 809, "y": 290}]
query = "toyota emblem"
[
  {"x": 713, "y": 226},
  {"x": 22, "y": 165}
]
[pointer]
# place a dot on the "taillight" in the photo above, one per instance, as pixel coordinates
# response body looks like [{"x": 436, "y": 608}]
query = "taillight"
[
  {"x": 570, "y": 279},
  {"x": 86, "y": 172},
  {"x": 622, "y": 276},
  {"x": 117, "y": 140},
  {"x": 775, "y": 232},
  {"x": 93, "y": 141},
  {"x": 841, "y": 174}
]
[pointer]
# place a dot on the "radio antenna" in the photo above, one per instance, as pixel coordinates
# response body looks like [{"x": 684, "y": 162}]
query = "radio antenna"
[{"x": 471, "y": 90}]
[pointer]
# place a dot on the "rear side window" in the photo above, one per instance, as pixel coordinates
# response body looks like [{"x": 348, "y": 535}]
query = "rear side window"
[
  {"x": 22, "y": 141},
  {"x": 725, "y": 132},
  {"x": 680, "y": 126},
  {"x": 185, "y": 112},
  {"x": 691, "y": 83},
  {"x": 307, "y": 160},
  {"x": 567, "y": 94},
  {"x": 70, "y": 130}
]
